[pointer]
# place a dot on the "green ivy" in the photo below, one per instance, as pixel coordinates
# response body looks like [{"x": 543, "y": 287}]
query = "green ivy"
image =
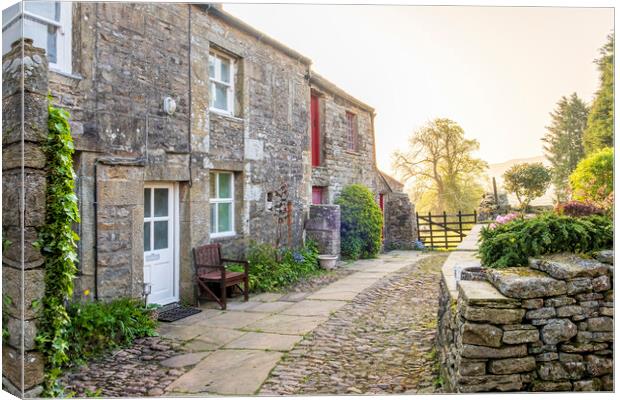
[
  {"x": 57, "y": 242},
  {"x": 510, "y": 244}
]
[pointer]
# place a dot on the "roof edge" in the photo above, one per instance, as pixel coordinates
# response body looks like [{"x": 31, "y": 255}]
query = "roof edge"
[
  {"x": 239, "y": 24},
  {"x": 320, "y": 81}
]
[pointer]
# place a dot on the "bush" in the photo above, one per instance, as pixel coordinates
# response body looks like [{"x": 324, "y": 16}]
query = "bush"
[
  {"x": 593, "y": 179},
  {"x": 527, "y": 182},
  {"x": 99, "y": 326},
  {"x": 361, "y": 221},
  {"x": 578, "y": 209},
  {"x": 511, "y": 244},
  {"x": 270, "y": 269}
]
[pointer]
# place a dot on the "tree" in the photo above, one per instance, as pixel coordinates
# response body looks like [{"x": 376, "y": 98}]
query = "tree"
[
  {"x": 600, "y": 130},
  {"x": 593, "y": 179},
  {"x": 361, "y": 221},
  {"x": 527, "y": 182},
  {"x": 440, "y": 166},
  {"x": 564, "y": 141}
]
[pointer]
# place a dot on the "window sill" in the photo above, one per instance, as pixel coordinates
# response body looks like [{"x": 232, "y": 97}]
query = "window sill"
[
  {"x": 66, "y": 74},
  {"x": 353, "y": 153},
  {"x": 225, "y": 235},
  {"x": 225, "y": 115}
]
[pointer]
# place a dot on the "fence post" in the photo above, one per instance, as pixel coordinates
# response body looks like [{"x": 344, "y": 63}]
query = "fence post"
[
  {"x": 475, "y": 217},
  {"x": 445, "y": 228},
  {"x": 461, "y": 225},
  {"x": 417, "y": 222},
  {"x": 430, "y": 225}
]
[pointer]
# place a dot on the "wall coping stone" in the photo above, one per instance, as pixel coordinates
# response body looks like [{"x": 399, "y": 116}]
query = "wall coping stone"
[
  {"x": 568, "y": 266},
  {"x": 480, "y": 293},
  {"x": 525, "y": 283}
]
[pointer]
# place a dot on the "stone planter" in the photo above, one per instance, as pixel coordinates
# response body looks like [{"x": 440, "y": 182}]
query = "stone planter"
[{"x": 327, "y": 261}]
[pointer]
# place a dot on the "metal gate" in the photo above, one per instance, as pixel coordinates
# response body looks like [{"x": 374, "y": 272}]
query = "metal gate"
[{"x": 444, "y": 231}]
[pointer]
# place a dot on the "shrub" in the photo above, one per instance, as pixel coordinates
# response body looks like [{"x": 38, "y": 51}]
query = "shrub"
[
  {"x": 99, "y": 326},
  {"x": 511, "y": 244},
  {"x": 576, "y": 208},
  {"x": 527, "y": 182},
  {"x": 360, "y": 223},
  {"x": 593, "y": 179},
  {"x": 270, "y": 269}
]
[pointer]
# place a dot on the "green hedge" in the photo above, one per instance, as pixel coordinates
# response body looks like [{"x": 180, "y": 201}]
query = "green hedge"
[
  {"x": 361, "y": 221},
  {"x": 510, "y": 245}
]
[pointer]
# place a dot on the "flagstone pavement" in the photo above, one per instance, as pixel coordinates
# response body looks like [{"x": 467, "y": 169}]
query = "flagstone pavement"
[
  {"x": 240, "y": 346},
  {"x": 370, "y": 331}
]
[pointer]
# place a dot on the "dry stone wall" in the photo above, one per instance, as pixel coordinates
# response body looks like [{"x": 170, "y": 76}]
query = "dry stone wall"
[{"x": 546, "y": 327}]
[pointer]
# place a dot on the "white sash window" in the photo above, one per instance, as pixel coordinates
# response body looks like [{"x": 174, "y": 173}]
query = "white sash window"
[
  {"x": 47, "y": 23},
  {"x": 222, "y": 199},
  {"x": 222, "y": 83}
]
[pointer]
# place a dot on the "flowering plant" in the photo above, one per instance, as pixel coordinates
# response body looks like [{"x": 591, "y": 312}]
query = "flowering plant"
[{"x": 503, "y": 219}]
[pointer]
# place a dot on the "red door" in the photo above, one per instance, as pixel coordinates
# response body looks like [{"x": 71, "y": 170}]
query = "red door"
[
  {"x": 317, "y": 195},
  {"x": 316, "y": 133}
]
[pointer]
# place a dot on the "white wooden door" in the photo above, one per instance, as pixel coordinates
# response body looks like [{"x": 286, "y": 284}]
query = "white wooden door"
[{"x": 160, "y": 244}]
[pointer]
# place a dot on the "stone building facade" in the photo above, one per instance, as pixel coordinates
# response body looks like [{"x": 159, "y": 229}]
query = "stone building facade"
[{"x": 190, "y": 126}]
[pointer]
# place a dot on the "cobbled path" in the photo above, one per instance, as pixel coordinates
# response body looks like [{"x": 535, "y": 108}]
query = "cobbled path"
[{"x": 380, "y": 343}]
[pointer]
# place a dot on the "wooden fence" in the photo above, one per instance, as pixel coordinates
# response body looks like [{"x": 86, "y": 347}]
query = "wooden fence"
[{"x": 444, "y": 231}]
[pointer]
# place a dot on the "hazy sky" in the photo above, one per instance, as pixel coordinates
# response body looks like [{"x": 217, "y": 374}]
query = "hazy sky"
[{"x": 497, "y": 71}]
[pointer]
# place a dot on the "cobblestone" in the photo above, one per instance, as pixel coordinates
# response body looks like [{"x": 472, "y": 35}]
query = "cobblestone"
[
  {"x": 133, "y": 371},
  {"x": 382, "y": 342}
]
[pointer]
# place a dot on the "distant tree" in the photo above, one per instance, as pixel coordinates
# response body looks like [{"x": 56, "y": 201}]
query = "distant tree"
[
  {"x": 593, "y": 179},
  {"x": 440, "y": 167},
  {"x": 564, "y": 141},
  {"x": 600, "y": 130},
  {"x": 527, "y": 182}
]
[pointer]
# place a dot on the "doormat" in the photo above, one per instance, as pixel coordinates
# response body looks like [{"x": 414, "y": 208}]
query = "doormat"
[{"x": 177, "y": 313}]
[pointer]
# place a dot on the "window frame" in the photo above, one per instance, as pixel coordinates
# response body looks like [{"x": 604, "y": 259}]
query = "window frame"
[
  {"x": 63, "y": 31},
  {"x": 230, "y": 86},
  {"x": 352, "y": 132},
  {"x": 215, "y": 200}
]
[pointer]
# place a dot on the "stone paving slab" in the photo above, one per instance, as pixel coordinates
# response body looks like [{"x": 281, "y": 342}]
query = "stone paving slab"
[
  {"x": 197, "y": 318},
  {"x": 242, "y": 305},
  {"x": 295, "y": 296},
  {"x": 314, "y": 307},
  {"x": 332, "y": 295},
  {"x": 184, "y": 360},
  {"x": 264, "y": 341},
  {"x": 266, "y": 297},
  {"x": 228, "y": 372},
  {"x": 180, "y": 332},
  {"x": 214, "y": 338},
  {"x": 234, "y": 319},
  {"x": 287, "y": 324},
  {"x": 271, "y": 307}
]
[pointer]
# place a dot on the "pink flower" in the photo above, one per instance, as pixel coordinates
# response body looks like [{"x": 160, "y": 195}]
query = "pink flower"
[{"x": 492, "y": 226}]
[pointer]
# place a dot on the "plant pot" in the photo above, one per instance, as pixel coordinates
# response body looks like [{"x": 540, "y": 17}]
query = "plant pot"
[{"x": 327, "y": 261}]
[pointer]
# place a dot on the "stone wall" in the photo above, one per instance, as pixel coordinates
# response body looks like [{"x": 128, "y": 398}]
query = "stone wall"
[
  {"x": 323, "y": 226},
  {"x": 341, "y": 166},
  {"x": 399, "y": 221},
  {"x": 23, "y": 211},
  {"x": 546, "y": 327}
]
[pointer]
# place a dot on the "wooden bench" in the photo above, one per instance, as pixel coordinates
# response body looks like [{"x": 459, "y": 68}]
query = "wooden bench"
[{"x": 210, "y": 268}]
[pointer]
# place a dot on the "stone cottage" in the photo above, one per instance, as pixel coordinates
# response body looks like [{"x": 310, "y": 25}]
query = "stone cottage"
[{"x": 190, "y": 126}]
